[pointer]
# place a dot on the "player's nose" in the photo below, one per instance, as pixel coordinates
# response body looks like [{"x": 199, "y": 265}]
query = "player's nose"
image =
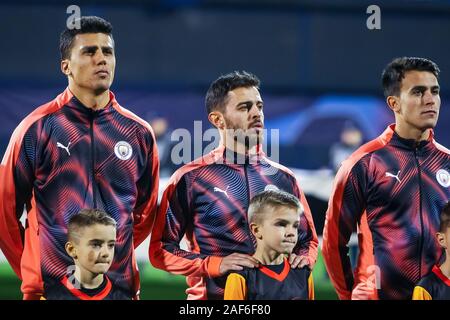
[
  {"x": 104, "y": 252},
  {"x": 428, "y": 98}
]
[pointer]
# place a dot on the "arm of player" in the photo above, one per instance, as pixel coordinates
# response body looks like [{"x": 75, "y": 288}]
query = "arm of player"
[
  {"x": 16, "y": 176},
  {"x": 345, "y": 208},
  {"x": 235, "y": 287},
  {"x": 147, "y": 198},
  {"x": 308, "y": 242},
  {"x": 172, "y": 219}
]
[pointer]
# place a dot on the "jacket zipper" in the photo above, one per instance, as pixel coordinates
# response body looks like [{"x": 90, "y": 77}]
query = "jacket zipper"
[
  {"x": 91, "y": 129},
  {"x": 420, "y": 213},
  {"x": 247, "y": 183}
]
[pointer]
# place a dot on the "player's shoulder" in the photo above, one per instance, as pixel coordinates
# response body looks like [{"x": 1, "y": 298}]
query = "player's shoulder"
[
  {"x": 132, "y": 117},
  {"x": 428, "y": 282},
  {"x": 279, "y": 166},
  {"x": 40, "y": 113},
  {"x": 441, "y": 148},
  {"x": 241, "y": 274},
  {"x": 192, "y": 168},
  {"x": 360, "y": 159},
  {"x": 302, "y": 273}
]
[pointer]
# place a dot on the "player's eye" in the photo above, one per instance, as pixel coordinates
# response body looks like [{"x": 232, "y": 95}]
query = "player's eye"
[{"x": 96, "y": 245}]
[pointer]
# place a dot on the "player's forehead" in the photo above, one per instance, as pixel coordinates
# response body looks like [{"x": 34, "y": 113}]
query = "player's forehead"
[
  {"x": 242, "y": 94},
  {"x": 99, "y": 232},
  {"x": 100, "y": 40},
  {"x": 278, "y": 212},
  {"x": 415, "y": 78}
]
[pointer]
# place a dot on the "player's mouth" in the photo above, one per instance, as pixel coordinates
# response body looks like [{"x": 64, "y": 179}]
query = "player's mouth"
[
  {"x": 103, "y": 73},
  {"x": 429, "y": 112},
  {"x": 257, "y": 124}
]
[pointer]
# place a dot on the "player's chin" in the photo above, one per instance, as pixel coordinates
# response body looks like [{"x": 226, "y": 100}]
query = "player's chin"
[
  {"x": 287, "y": 252},
  {"x": 256, "y": 132},
  {"x": 101, "y": 85},
  {"x": 287, "y": 247},
  {"x": 429, "y": 124},
  {"x": 102, "y": 268}
]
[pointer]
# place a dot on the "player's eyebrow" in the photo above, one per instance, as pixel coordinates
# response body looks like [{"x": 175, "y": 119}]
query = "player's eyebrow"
[
  {"x": 278, "y": 220},
  {"x": 245, "y": 103},
  {"x": 285, "y": 220},
  {"x": 95, "y": 48},
  {"x": 424, "y": 88},
  {"x": 248, "y": 103},
  {"x": 89, "y": 48},
  {"x": 95, "y": 241},
  {"x": 437, "y": 87}
]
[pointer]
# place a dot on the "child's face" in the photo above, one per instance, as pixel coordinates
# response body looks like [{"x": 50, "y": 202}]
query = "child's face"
[
  {"x": 279, "y": 229},
  {"x": 94, "y": 251}
]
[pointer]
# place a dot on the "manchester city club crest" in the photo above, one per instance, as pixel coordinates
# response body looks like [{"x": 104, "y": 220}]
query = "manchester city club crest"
[
  {"x": 443, "y": 177},
  {"x": 123, "y": 150}
]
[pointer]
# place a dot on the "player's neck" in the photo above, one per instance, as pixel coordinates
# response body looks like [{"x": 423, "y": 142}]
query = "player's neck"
[
  {"x": 88, "y": 279},
  {"x": 238, "y": 147},
  {"x": 445, "y": 267},
  {"x": 89, "y": 98},
  {"x": 408, "y": 132},
  {"x": 268, "y": 256}
]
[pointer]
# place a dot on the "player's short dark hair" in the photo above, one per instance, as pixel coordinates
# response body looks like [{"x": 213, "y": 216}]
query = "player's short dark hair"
[
  {"x": 445, "y": 218},
  {"x": 217, "y": 94},
  {"x": 87, "y": 218},
  {"x": 260, "y": 203},
  {"x": 395, "y": 71},
  {"x": 88, "y": 24}
]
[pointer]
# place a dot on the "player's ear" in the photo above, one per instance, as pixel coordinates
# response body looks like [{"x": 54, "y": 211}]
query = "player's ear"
[
  {"x": 256, "y": 231},
  {"x": 393, "y": 103},
  {"x": 65, "y": 67},
  {"x": 441, "y": 239},
  {"x": 217, "y": 120},
  {"x": 71, "y": 250}
]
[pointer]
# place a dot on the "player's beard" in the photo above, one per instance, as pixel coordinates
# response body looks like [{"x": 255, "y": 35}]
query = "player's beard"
[{"x": 247, "y": 137}]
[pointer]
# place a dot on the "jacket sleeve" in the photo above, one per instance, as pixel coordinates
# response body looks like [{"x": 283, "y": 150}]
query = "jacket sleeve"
[
  {"x": 235, "y": 287},
  {"x": 147, "y": 198},
  {"x": 307, "y": 236},
  {"x": 311, "y": 295},
  {"x": 17, "y": 177},
  {"x": 173, "y": 222},
  {"x": 421, "y": 293},
  {"x": 346, "y": 210}
]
